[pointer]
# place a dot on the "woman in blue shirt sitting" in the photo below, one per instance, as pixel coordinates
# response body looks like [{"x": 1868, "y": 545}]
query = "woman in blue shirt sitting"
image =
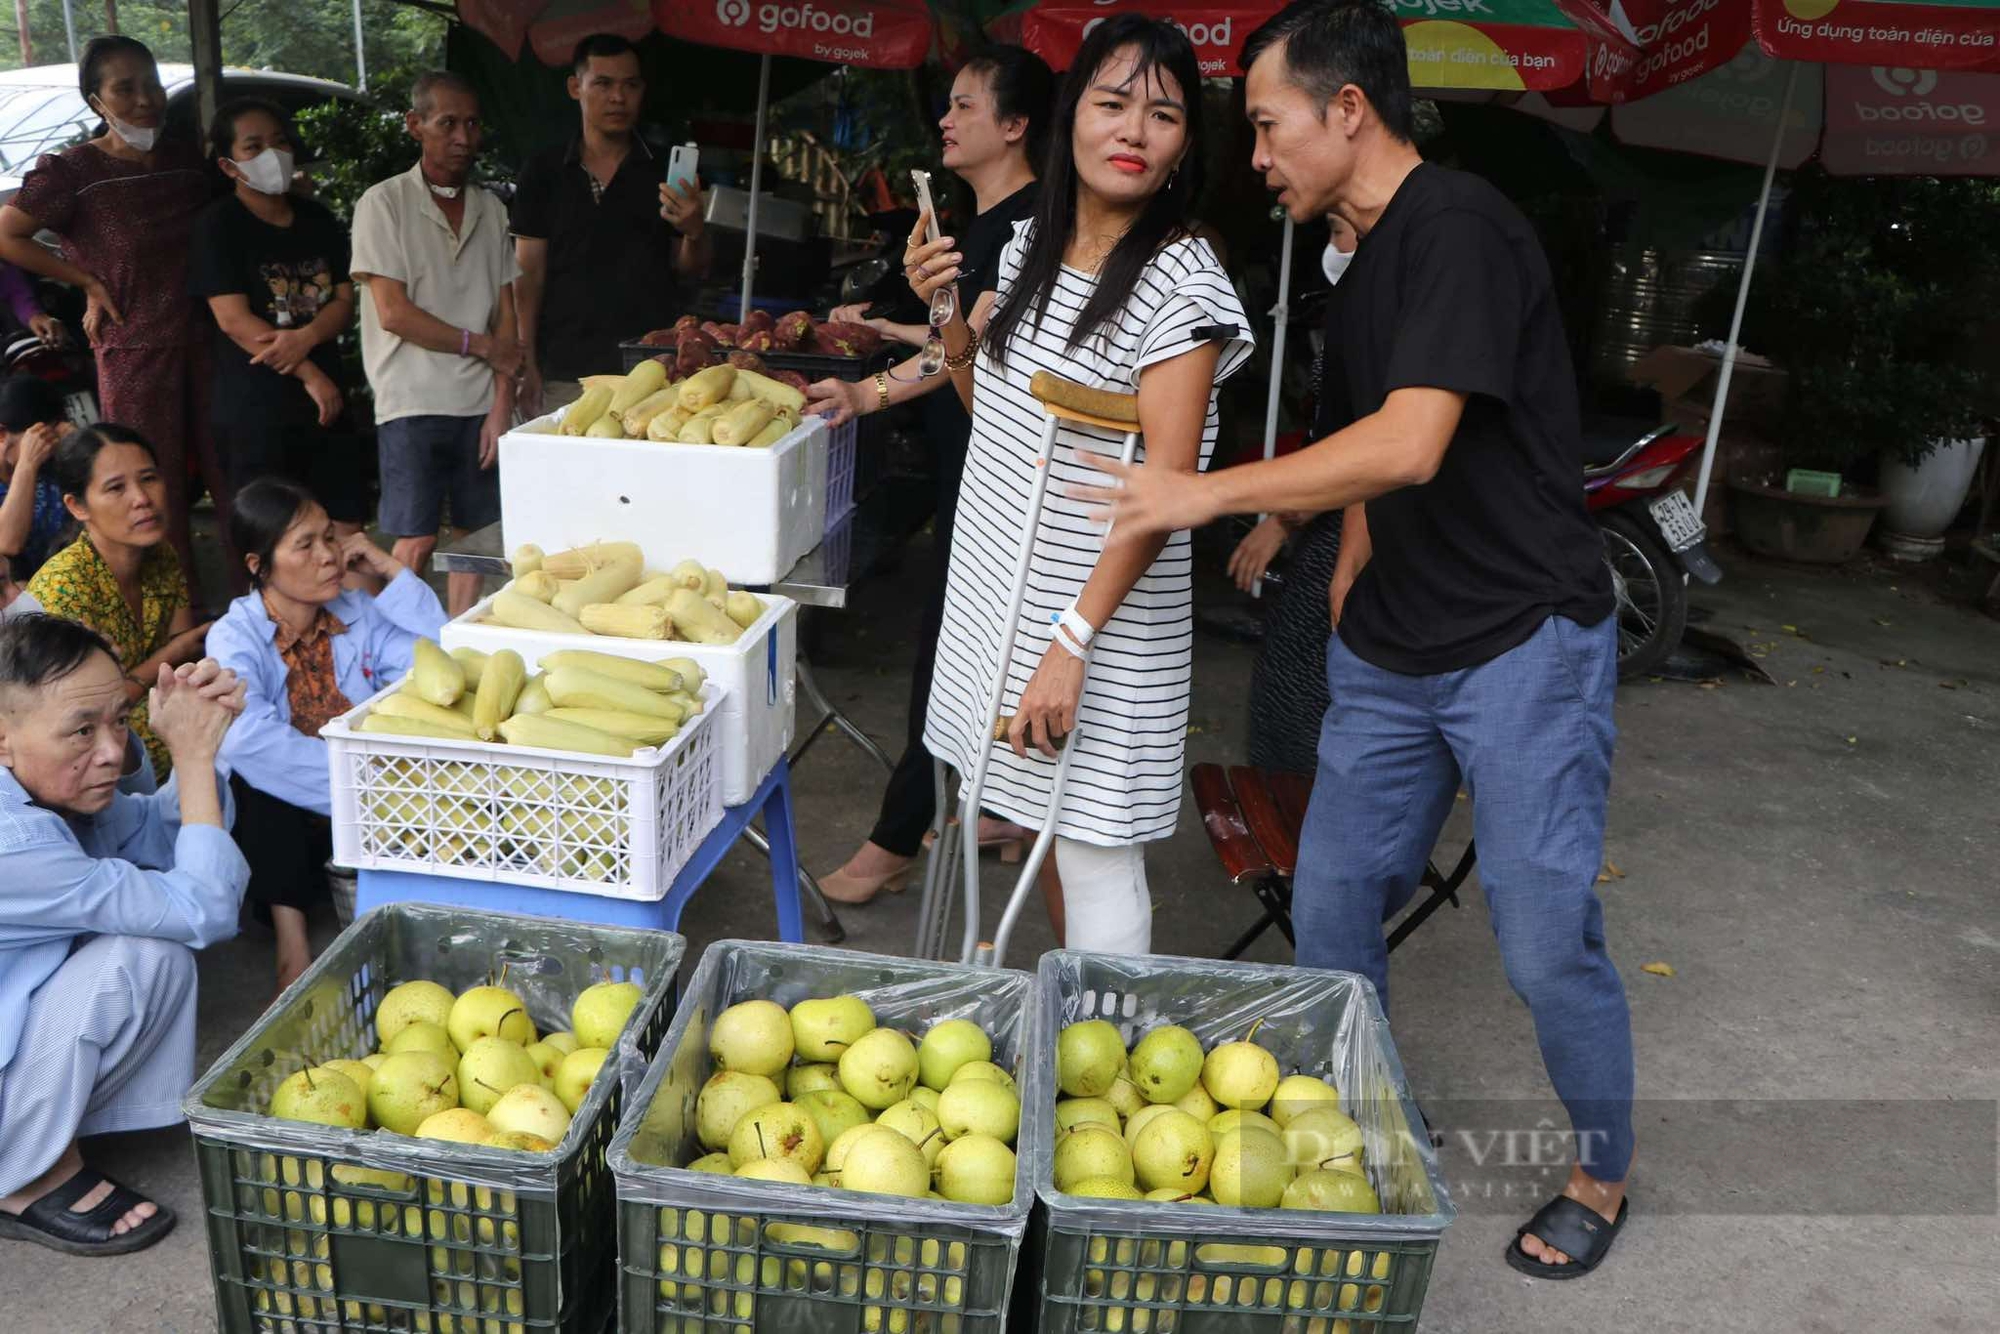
[
  {"x": 309, "y": 650},
  {"x": 31, "y": 508}
]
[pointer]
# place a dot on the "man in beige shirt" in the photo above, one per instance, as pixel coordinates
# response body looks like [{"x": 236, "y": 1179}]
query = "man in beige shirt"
[{"x": 434, "y": 260}]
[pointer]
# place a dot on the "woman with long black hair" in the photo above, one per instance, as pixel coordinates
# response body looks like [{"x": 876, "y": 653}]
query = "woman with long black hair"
[{"x": 1106, "y": 286}]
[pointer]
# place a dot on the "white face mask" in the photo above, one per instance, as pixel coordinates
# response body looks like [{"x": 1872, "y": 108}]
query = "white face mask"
[
  {"x": 141, "y": 137},
  {"x": 1333, "y": 262},
  {"x": 269, "y": 173}
]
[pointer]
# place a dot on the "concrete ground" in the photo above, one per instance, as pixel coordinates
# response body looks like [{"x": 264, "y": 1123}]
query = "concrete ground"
[{"x": 1817, "y": 860}]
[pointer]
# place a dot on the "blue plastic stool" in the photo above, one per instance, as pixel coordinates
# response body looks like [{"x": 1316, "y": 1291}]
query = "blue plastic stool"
[{"x": 773, "y": 799}]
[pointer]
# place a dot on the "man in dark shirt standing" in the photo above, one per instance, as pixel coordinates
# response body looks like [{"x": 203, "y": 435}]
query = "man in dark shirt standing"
[
  {"x": 602, "y": 238},
  {"x": 1474, "y": 639}
]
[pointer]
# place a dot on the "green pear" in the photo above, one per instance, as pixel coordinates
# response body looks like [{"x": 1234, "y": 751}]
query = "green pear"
[
  {"x": 886, "y": 1163},
  {"x": 753, "y": 1036},
  {"x": 1124, "y": 1094},
  {"x": 1334, "y": 1192},
  {"x": 1166, "y": 1063},
  {"x": 321, "y": 1096},
  {"x": 1105, "y": 1188},
  {"x": 823, "y": 1029},
  {"x": 774, "y": 1169},
  {"x": 410, "y": 1087},
  {"x": 836, "y": 1152},
  {"x": 879, "y": 1069},
  {"x": 1240, "y": 1074},
  {"x": 717, "y": 1163},
  {"x": 1297, "y": 1093},
  {"x": 1140, "y": 1119},
  {"x": 1089, "y": 1152},
  {"x": 532, "y": 1109},
  {"x": 803, "y": 1079},
  {"x": 1236, "y": 1118},
  {"x": 422, "y": 1035},
  {"x": 1249, "y": 1169},
  {"x": 1323, "y": 1136},
  {"x": 1173, "y": 1150},
  {"x": 599, "y": 1013},
  {"x": 834, "y": 1111},
  {"x": 578, "y": 1070},
  {"x": 490, "y": 1067},
  {"x": 484, "y": 1012},
  {"x": 929, "y": 1097},
  {"x": 727, "y": 1097},
  {"x": 778, "y": 1130},
  {"x": 362, "y": 1073},
  {"x": 976, "y": 1169},
  {"x": 1074, "y": 1112},
  {"x": 917, "y": 1124},
  {"x": 374, "y": 1060},
  {"x": 563, "y": 1041},
  {"x": 1196, "y": 1103},
  {"x": 979, "y": 1107},
  {"x": 946, "y": 1047},
  {"x": 1089, "y": 1056},
  {"x": 520, "y": 1140},
  {"x": 461, "y": 1125},
  {"x": 548, "y": 1059},
  {"x": 408, "y": 1004},
  {"x": 983, "y": 1070}
]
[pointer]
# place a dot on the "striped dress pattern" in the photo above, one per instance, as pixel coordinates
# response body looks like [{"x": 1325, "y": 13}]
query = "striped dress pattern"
[{"x": 1125, "y": 782}]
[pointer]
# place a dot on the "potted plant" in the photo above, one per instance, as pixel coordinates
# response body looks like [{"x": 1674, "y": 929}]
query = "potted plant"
[{"x": 1869, "y": 310}]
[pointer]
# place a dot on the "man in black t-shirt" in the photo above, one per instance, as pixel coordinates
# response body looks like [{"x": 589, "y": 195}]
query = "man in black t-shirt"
[
  {"x": 604, "y": 241},
  {"x": 1475, "y": 641}
]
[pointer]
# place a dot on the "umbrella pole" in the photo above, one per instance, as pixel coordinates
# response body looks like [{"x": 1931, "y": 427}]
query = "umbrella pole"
[
  {"x": 756, "y": 183},
  {"x": 1716, "y": 411}
]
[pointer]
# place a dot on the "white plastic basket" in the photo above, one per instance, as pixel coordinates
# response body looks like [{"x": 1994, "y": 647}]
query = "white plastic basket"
[
  {"x": 475, "y": 810},
  {"x": 841, "y": 466}
]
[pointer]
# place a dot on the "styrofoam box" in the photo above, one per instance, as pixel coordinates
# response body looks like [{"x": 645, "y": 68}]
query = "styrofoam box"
[
  {"x": 751, "y": 513},
  {"x": 483, "y": 810},
  {"x": 757, "y": 672}
]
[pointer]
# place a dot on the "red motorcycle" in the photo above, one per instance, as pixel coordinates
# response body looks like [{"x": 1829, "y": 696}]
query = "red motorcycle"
[{"x": 1653, "y": 539}]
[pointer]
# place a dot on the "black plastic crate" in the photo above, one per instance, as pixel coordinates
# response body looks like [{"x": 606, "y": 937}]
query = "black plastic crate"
[{"x": 316, "y": 1229}]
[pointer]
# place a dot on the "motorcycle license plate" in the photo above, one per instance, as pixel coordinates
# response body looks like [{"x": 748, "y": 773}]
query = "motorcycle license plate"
[{"x": 1674, "y": 512}]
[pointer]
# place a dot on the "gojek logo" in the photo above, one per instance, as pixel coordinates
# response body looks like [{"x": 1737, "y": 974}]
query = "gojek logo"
[
  {"x": 797, "y": 18},
  {"x": 1900, "y": 81},
  {"x": 1911, "y": 89}
]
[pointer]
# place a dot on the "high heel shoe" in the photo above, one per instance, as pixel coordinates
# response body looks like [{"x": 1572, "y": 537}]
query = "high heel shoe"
[{"x": 855, "y": 890}]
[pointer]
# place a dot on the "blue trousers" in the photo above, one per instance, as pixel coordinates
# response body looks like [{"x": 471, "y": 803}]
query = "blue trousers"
[{"x": 1530, "y": 734}]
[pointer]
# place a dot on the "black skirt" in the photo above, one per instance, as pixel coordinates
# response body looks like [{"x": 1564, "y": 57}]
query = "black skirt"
[
  {"x": 1288, "y": 695},
  {"x": 287, "y": 849}
]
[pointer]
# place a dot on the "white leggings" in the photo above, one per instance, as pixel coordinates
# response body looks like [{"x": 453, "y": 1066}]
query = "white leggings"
[{"x": 1106, "y": 907}]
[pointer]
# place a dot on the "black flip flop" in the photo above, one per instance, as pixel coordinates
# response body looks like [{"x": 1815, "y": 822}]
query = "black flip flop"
[
  {"x": 51, "y": 1222},
  {"x": 1577, "y": 1230}
]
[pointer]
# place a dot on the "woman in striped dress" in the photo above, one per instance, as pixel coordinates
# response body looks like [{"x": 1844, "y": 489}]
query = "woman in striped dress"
[{"x": 1105, "y": 286}]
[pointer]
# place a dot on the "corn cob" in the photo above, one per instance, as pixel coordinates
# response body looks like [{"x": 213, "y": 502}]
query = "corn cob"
[
  {"x": 534, "y": 697},
  {"x": 665, "y": 427},
  {"x": 435, "y": 675},
  {"x": 640, "y": 415},
  {"x": 636, "y": 727},
  {"x": 775, "y": 392},
  {"x": 579, "y": 561},
  {"x": 542, "y": 732},
  {"x": 692, "y": 674},
  {"x": 690, "y": 574},
  {"x": 743, "y": 608},
  {"x": 606, "y": 427},
  {"x": 652, "y": 593},
  {"x": 600, "y": 585},
  {"x": 390, "y": 725},
  {"x": 466, "y": 705},
  {"x": 641, "y": 382},
  {"x": 706, "y": 386},
  {"x": 644, "y": 621},
  {"x": 774, "y": 430},
  {"x": 697, "y": 430},
  {"x": 403, "y": 704},
  {"x": 473, "y": 661},
  {"x": 577, "y": 687},
  {"x": 501, "y": 685},
  {"x": 698, "y": 622},
  {"x": 585, "y": 411},
  {"x": 691, "y": 702},
  {"x": 740, "y": 424},
  {"x": 539, "y": 585},
  {"x": 610, "y": 382},
  {"x": 527, "y": 559},
  {"x": 524, "y": 613},
  {"x": 714, "y": 581},
  {"x": 656, "y": 676}
]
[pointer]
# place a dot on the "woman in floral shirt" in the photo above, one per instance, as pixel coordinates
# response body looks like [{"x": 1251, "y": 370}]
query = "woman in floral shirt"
[{"x": 120, "y": 577}]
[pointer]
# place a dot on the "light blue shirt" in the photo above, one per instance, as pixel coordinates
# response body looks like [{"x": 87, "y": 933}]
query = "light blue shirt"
[
  {"x": 263, "y": 748},
  {"x": 130, "y": 870}
]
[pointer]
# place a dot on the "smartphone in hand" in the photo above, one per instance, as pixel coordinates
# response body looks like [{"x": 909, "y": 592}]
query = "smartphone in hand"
[{"x": 682, "y": 164}]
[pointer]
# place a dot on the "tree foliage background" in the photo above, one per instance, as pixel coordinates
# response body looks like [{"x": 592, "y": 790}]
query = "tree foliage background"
[{"x": 313, "y": 37}]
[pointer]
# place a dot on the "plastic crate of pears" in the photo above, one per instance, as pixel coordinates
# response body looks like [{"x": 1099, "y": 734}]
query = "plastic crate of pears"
[
  {"x": 1312, "y": 1206},
  {"x": 455, "y": 1181},
  {"x": 830, "y": 1141}
]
